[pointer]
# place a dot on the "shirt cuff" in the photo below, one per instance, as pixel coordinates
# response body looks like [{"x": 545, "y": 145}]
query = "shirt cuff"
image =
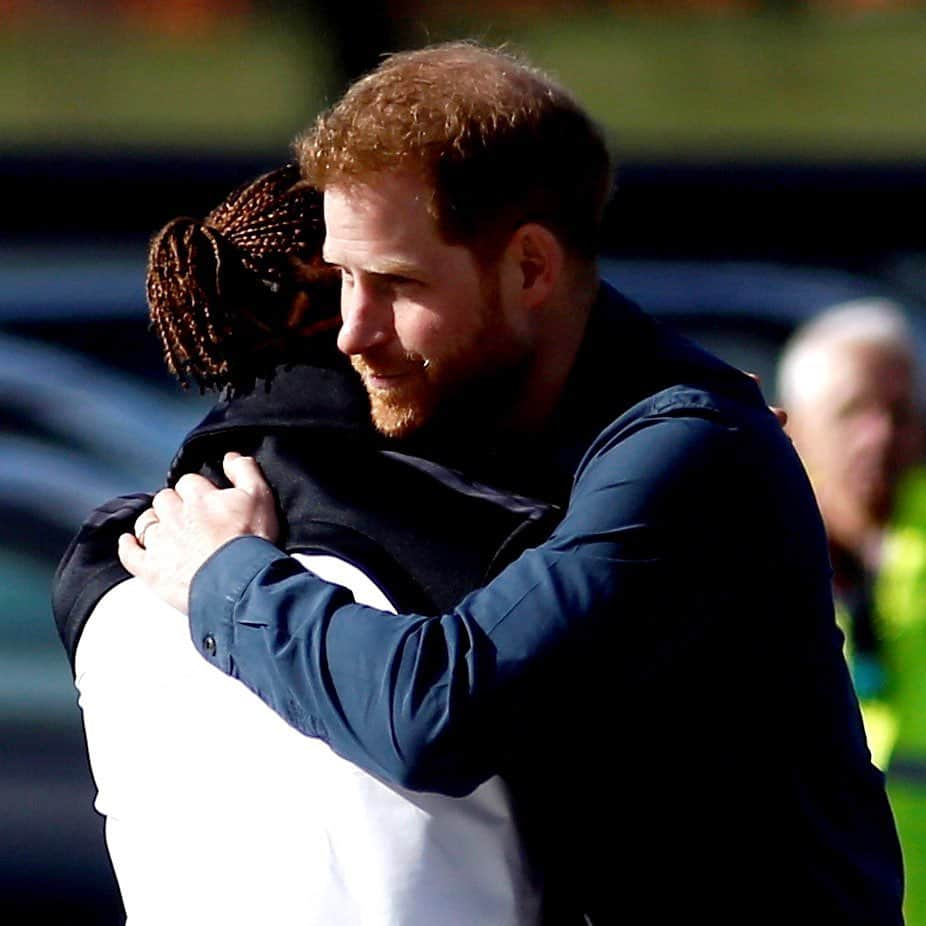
[{"x": 216, "y": 590}]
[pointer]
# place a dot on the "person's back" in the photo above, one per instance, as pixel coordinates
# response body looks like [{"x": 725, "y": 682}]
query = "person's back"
[
  {"x": 275, "y": 824},
  {"x": 682, "y": 738}
]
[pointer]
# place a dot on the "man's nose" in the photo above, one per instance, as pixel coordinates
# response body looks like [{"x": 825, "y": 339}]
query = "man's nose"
[
  {"x": 878, "y": 428},
  {"x": 366, "y": 318}
]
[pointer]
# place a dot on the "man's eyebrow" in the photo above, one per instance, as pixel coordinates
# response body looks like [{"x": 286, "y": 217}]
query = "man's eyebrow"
[
  {"x": 395, "y": 267},
  {"x": 384, "y": 267}
]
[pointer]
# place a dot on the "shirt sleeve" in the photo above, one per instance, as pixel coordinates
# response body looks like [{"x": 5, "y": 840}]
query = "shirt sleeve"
[
  {"x": 169, "y": 739},
  {"x": 429, "y": 702}
]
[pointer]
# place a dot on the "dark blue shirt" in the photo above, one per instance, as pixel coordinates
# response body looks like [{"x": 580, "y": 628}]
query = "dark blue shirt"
[{"x": 661, "y": 682}]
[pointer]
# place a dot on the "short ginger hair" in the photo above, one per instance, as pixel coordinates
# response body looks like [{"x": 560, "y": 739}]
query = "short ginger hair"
[
  {"x": 239, "y": 292},
  {"x": 498, "y": 141}
]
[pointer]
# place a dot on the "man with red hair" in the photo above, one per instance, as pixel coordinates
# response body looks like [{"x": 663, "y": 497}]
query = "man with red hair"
[{"x": 661, "y": 683}]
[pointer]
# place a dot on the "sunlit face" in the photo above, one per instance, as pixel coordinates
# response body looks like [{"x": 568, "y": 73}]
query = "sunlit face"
[
  {"x": 422, "y": 319},
  {"x": 860, "y": 429}
]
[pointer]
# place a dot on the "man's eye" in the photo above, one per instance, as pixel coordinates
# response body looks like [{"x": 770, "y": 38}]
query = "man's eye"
[{"x": 400, "y": 281}]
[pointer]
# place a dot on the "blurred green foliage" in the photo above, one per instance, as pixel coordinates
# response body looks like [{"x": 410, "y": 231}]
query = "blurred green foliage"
[
  {"x": 797, "y": 82},
  {"x": 243, "y": 85},
  {"x": 783, "y": 84}
]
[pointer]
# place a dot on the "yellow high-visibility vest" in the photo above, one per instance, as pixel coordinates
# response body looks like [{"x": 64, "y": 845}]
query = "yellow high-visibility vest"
[{"x": 895, "y": 719}]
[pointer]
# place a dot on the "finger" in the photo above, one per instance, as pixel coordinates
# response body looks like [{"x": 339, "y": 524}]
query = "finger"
[
  {"x": 131, "y": 553},
  {"x": 142, "y": 523},
  {"x": 166, "y": 504},
  {"x": 245, "y": 474},
  {"x": 191, "y": 485}
]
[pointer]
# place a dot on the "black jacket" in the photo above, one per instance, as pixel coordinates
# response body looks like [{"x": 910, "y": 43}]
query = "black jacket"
[{"x": 424, "y": 532}]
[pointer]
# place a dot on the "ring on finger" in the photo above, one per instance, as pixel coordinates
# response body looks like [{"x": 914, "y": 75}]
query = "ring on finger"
[{"x": 149, "y": 522}]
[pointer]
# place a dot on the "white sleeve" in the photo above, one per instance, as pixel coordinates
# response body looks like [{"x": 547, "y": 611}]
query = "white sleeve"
[
  {"x": 173, "y": 744},
  {"x": 340, "y": 572},
  {"x": 218, "y": 812}
]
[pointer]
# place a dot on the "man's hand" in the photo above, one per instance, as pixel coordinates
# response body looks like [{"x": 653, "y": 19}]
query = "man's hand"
[{"x": 187, "y": 524}]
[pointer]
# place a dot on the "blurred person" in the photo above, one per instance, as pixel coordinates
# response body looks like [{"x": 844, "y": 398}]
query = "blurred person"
[
  {"x": 661, "y": 683},
  {"x": 851, "y": 383},
  {"x": 216, "y": 811}
]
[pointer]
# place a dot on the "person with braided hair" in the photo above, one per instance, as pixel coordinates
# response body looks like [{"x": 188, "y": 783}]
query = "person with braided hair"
[
  {"x": 229, "y": 295},
  {"x": 216, "y": 810}
]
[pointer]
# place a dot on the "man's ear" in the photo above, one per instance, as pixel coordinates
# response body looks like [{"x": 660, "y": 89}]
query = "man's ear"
[{"x": 538, "y": 259}]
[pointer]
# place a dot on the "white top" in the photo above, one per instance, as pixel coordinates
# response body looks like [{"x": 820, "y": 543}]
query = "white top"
[{"x": 218, "y": 812}]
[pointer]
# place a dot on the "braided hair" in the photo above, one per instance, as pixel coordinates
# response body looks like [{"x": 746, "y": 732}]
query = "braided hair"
[{"x": 240, "y": 292}]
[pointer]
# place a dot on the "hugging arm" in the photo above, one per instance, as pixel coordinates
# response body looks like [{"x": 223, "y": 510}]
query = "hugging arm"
[{"x": 430, "y": 703}]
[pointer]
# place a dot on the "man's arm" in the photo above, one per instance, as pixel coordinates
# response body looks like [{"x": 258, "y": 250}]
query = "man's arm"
[{"x": 430, "y": 702}]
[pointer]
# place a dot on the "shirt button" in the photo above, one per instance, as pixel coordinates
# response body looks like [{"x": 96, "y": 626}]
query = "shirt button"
[{"x": 209, "y": 644}]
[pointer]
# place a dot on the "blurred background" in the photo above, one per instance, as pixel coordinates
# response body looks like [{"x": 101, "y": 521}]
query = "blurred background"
[{"x": 772, "y": 162}]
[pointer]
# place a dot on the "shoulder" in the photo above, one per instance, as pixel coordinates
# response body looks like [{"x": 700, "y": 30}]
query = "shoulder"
[
  {"x": 692, "y": 455},
  {"x": 632, "y": 371},
  {"x": 672, "y": 423}
]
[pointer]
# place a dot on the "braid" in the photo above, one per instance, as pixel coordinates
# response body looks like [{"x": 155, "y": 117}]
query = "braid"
[{"x": 234, "y": 295}]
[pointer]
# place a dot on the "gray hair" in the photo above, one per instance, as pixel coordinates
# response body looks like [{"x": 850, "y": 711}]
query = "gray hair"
[{"x": 871, "y": 322}]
